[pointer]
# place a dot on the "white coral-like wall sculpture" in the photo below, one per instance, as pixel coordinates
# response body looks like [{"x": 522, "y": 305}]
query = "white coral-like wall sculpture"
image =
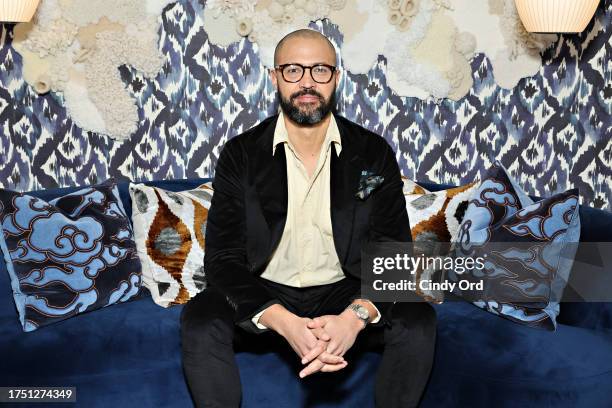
[
  {"x": 76, "y": 46},
  {"x": 427, "y": 43}
]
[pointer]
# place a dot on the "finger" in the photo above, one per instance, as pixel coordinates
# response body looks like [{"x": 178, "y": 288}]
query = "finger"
[
  {"x": 333, "y": 347},
  {"x": 321, "y": 334},
  {"x": 322, "y": 320},
  {"x": 314, "y": 323},
  {"x": 313, "y": 353},
  {"x": 330, "y": 358},
  {"x": 310, "y": 339},
  {"x": 328, "y": 368},
  {"x": 313, "y": 367},
  {"x": 307, "y": 345}
]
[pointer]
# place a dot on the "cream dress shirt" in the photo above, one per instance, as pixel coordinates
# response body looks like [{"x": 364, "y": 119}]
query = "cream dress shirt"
[{"x": 306, "y": 254}]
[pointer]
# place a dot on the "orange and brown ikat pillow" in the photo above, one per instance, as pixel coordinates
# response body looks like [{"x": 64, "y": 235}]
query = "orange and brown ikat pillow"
[
  {"x": 170, "y": 230},
  {"x": 434, "y": 219}
]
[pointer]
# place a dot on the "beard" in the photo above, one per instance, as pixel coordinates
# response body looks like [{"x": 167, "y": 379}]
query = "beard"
[{"x": 306, "y": 114}]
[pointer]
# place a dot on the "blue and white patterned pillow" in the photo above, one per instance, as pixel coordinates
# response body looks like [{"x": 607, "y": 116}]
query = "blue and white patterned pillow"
[
  {"x": 70, "y": 255},
  {"x": 528, "y": 249}
]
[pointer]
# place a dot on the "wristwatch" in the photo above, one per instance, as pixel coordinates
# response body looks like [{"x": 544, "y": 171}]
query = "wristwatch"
[{"x": 361, "y": 312}]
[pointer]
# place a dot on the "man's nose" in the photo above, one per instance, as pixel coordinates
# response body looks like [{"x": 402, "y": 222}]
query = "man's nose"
[{"x": 307, "y": 81}]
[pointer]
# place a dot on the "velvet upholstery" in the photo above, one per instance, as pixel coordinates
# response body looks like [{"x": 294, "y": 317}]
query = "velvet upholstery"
[
  {"x": 129, "y": 355},
  {"x": 483, "y": 360}
]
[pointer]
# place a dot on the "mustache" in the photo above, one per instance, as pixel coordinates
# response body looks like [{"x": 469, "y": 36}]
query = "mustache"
[{"x": 307, "y": 92}]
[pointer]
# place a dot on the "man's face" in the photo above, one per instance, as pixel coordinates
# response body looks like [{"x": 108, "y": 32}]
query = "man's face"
[{"x": 306, "y": 102}]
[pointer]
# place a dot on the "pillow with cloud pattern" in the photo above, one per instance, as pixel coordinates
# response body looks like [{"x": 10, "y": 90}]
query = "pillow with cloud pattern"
[
  {"x": 527, "y": 250},
  {"x": 70, "y": 255}
]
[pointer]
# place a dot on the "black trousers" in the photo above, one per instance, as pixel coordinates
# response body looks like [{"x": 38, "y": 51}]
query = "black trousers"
[{"x": 210, "y": 339}]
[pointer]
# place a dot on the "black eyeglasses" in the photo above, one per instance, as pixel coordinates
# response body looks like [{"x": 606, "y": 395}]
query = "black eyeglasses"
[{"x": 321, "y": 73}]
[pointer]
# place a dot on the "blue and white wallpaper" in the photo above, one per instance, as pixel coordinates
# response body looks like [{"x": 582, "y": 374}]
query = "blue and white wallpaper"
[{"x": 553, "y": 130}]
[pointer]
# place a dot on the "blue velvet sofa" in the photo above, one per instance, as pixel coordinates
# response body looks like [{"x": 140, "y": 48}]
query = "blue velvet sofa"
[{"x": 129, "y": 355}]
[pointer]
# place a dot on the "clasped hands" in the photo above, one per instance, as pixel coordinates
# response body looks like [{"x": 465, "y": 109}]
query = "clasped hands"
[{"x": 320, "y": 342}]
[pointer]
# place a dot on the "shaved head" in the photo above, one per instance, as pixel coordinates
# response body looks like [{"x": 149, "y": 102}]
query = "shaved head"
[
  {"x": 304, "y": 33},
  {"x": 305, "y": 101}
]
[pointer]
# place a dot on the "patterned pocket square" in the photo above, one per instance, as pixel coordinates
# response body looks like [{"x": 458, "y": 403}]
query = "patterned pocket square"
[{"x": 368, "y": 183}]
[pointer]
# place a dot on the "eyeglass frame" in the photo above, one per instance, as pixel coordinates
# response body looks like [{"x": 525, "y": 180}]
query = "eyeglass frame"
[{"x": 281, "y": 67}]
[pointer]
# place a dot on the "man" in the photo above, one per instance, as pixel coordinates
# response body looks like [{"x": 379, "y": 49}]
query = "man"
[{"x": 283, "y": 243}]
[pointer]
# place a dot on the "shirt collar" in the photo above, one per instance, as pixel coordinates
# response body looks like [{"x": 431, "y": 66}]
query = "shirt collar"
[{"x": 332, "y": 135}]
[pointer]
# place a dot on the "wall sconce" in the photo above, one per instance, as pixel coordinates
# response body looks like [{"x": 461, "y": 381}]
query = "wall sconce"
[
  {"x": 556, "y": 16},
  {"x": 17, "y": 11}
]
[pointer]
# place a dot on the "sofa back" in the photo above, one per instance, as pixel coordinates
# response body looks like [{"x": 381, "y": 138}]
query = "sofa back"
[{"x": 596, "y": 226}]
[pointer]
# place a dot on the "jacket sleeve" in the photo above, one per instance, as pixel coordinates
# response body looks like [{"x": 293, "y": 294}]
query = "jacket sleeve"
[
  {"x": 388, "y": 218},
  {"x": 225, "y": 261}
]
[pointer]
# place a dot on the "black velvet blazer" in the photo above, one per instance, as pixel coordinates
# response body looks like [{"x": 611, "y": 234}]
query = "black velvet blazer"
[{"x": 249, "y": 208}]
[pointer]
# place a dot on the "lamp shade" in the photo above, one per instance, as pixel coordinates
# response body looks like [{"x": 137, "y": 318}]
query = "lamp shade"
[
  {"x": 556, "y": 16},
  {"x": 17, "y": 11}
]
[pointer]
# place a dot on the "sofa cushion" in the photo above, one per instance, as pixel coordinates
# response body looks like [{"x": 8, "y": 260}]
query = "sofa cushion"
[
  {"x": 481, "y": 360},
  {"x": 434, "y": 219},
  {"x": 169, "y": 230},
  {"x": 125, "y": 355},
  {"x": 436, "y": 216},
  {"x": 523, "y": 251},
  {"x": 69, "y": 255},
  {"x": 130, "y": 355}
]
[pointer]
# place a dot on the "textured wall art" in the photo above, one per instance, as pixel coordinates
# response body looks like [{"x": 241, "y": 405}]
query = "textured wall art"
[
  {"x": 76, "y": 46},
  {"x": 552, "y": 130},
  {"x": 435, "y": 38}
]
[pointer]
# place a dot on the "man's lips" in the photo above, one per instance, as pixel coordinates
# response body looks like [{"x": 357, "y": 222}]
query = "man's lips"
[{"x": 307, "y": 98}]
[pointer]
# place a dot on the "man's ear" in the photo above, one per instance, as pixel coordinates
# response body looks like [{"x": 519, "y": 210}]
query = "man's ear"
[
  {"x": 272, "y": 73},
  {"x": 338, "y": 73}
]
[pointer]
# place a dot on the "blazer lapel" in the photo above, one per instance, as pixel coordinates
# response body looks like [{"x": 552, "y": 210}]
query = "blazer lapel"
[
  {"x": 271, "y": 184},
  {"x": 344, "y": 182}
]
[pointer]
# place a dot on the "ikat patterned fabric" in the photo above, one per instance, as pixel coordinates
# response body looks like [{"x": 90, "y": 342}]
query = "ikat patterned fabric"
[
  {"x": 71, "y": 255},
  {"x": 411, "y": 187},
  {"x": 434, "y": 219},
  {"x": 528, "y": 249},
  {"x": 170, "y": 229},
  {"x": 552, "y": 131},
  {"x": 436, "y": 216}
]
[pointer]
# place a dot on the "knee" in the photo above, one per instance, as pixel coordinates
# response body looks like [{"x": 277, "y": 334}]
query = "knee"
[
  {"x": 204, "y": 328},
  {"x": 204, "y": 334},
  {"x": 413, "y": 321},
  {"x": 417, "y": 313}
]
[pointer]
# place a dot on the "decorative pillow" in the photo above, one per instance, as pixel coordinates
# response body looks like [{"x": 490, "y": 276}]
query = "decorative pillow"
[
  {"x": 170, "y": 229},
  {"x": 527, "y": 250},
  {"x": 435, "y": 217},
  {"x": 411, "y": 187},
  {"x": 71, "y": 255},
  {"x": 434, "y": 222}
]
